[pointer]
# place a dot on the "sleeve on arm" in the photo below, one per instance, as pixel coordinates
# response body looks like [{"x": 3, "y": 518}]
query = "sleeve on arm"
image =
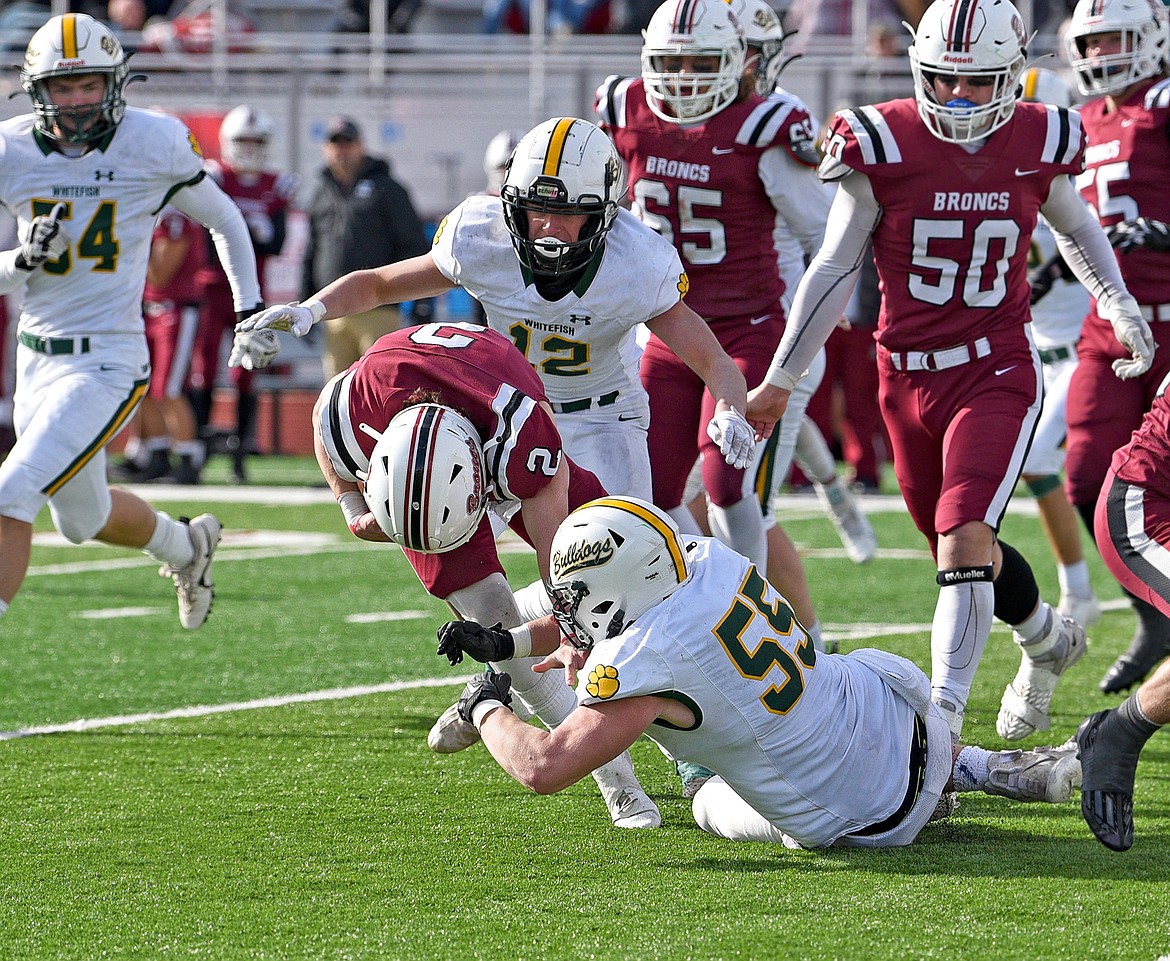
[
  {"x": 824, "y": 291},
  {"x": 215, "y": 210}
]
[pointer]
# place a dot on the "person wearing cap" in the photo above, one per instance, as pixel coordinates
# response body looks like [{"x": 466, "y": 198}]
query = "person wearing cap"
[{"x": 359, "y": 217}]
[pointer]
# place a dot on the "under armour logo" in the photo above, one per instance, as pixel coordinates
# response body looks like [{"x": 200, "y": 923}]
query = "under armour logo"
[
  {"x": 103, "y": 175},
  {"x": 580, "y": 318}
]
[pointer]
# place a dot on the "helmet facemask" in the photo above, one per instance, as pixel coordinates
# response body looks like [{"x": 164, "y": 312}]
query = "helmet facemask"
[
  {"x": 562, "y": 166},
  {"x": 75, "y": 45},
  {"x": 1143, "y": 27},
  {"x": 980, "y": 40}
]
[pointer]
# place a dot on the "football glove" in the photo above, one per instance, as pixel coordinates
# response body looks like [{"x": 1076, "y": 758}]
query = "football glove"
[
  {"x": 1143, "y": 232},
  {"x": 297, "y": 319},
  {"x": 733, "y": 435},
  {"x": 254, "y": 349},
  {"x": 481, "y": 688},
  {"x": 1133, "y": 333},
  {"x": 45, "y": 241},
  {"x": 1043, "y": 277},
  {"x": 480, "y": 643}
]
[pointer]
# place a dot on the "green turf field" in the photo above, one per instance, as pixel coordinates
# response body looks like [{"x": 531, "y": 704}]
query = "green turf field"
[{"x": 262, "y": 789}]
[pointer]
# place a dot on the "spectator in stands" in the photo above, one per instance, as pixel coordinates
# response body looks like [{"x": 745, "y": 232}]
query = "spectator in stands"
[
  {"x": 126, "y": 16},
  {"x": 353, "y": 16},
  {"x": 359, "y": 217},
  {"x": 564, "y": 16}
]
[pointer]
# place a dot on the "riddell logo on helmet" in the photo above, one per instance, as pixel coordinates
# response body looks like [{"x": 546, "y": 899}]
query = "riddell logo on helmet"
[
  {"x": 68, "y": 64},
  {"x": 580, "y": 556},
  {"x": 951, "y": 58}
]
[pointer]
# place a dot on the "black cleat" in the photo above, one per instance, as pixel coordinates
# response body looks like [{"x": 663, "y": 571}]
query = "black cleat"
[
  {"x": 1108, "y": 768},
  {"x": 1144, "y": 654}
]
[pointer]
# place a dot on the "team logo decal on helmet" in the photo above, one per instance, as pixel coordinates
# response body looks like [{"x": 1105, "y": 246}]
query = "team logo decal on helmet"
[{"x": 426, "y": 482}]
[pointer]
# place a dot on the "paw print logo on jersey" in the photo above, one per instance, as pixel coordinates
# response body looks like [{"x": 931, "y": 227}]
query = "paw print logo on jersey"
[
  {"x": 684, "y": 285},
  {"x": 439, "y": 231},
  {"x": 603, "y": 681}
]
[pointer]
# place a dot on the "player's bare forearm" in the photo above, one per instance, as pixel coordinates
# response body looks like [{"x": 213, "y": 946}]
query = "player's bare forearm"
[{"x": 766, "y": 405}]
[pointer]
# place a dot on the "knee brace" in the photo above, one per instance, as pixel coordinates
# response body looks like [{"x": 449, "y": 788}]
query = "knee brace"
[
  {"x": 964, "y": 575},
  {"x": 1016, "y": 593}
]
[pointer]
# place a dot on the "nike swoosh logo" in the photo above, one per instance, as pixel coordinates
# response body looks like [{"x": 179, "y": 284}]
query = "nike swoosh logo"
[
  {"x": 1006, "y": 369},
  {"x": 623, "y": 418},
  {"x": 756, "y": 321},
  {"x": 1025, "y": 173},
  {"x": 1127, "y": 123},
  {"x": 720, "y": 151}
]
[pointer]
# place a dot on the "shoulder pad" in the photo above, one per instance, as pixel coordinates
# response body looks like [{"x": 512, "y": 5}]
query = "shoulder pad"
[
  {"x": 1065, "y": 137},
  {"x": 767, "y": 124},
  {"x": 610, "y": 101},
  {"x": 861, "y": 138},
  {"x": 1158, "y": 95}
]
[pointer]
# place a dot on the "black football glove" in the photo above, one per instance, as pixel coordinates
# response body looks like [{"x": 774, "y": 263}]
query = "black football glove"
[
  {"x": 1043, "y": 277},
  {"x": 1143, "y": 232},
  {"x": 45, "y": 241},
  {"x": 484, "y": 687},
  {"x": 480, "y": 643}
]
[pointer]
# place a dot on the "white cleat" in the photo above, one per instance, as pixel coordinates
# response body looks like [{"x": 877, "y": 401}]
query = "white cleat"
[
  {"x": 193, "y": 583},
  {"x": 629, "y": 806},
  {"x": 1024, "y": 708},
  {"x": 852, "y": 525},
  {"x": 451, "y": 734},
  {"x": 1049, "y": 774},
  {"x": 1086, "y": 611}
]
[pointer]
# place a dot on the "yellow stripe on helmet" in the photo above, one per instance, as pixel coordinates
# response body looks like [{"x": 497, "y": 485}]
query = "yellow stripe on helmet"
[
  {"x": 651, "y": 518},
  {"x": 69, "y": 37},
  {"x": 556, "y": 146},
  {"x": 1031, "y": 82}
]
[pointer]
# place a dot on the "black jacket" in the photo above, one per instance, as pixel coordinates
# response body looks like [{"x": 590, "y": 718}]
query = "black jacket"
[{"x": 371, "y": 224}]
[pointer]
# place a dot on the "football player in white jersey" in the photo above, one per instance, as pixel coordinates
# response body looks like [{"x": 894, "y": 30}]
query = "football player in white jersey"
[
  {"x": 686, "y": 642},
  {"x": 1059, "y": 305},
  {"x": 86, "y": 176}
]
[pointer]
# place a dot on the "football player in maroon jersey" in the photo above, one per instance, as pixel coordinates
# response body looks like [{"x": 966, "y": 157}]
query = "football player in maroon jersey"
[
  {"x": 1118, "y": 49},
  {"x": 948, "y": 184},
  {"x": 711, "y": 166},
  {"x": 1133, "y": 529},
  {"x": 264, "y": 198}
]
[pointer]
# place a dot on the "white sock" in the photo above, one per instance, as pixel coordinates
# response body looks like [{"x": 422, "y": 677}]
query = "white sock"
[
  {"x": 170, "y": 542},
  {"x": 971, "y": 771},
  {"x": 3, "y": 608},
  {"x": 1032, "y": 632},
  {"x": 958, "y": 635},
  {"x": 813, "y": 456},
  {"x": 741, "y": 527},
  {"x": 546, "y": 695},
  {"x": 1074, "y": 579}
]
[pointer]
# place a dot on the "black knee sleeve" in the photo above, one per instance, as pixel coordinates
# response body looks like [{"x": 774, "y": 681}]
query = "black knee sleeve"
[{"x": 1016, "y": 593}]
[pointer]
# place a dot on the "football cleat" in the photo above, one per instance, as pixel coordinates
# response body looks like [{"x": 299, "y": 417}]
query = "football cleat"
[
  {"x": 1044, "y": 774},
  {"x": 1109, "y": 765},
  {"x": 1086, "y": 611},
  {"x": 193, "y": 582},
  {"x": 629, "y": 806},
  {"x": 451, "y": 734},
  {"x": 1144, "y": 654},
  {"x": 1024, "y": 708},
  {"x": 852, "y": 525}
]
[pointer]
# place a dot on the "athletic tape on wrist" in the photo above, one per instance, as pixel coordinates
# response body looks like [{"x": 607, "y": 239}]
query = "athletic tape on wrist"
[
  {"x": 481, "y": 710},
  {"x": 522, "y": 639},
  {"x": 353, "y": 506}
]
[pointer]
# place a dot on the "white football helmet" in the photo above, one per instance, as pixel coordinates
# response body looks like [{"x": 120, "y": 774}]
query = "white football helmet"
[
  {"x": 1145, "y": 43},
  {"x": 1041, "y": 85},
  {"x": 612, "y": 560},
  {"x": 426, "y": 483},
  {"x": 243, "y": 138},
  {"x": 495, "y": 157},
  {"x": 569, "y": 166},
  {"x": 692, "y": 28},
  {"x": 70, "y": 45},
  {"x": 974, "y": 39},
  {"x": 765, "y": 42}
]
